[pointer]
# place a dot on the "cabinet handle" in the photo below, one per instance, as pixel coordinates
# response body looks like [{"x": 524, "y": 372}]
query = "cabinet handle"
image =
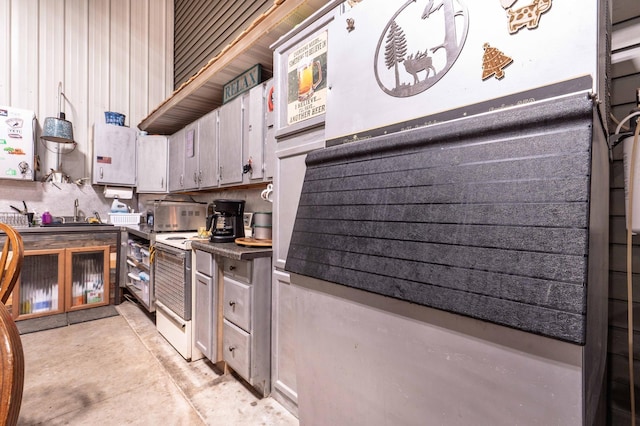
[
  {"x": 232, "y": 304},
  {"x": 199, "y": 176},
  {"x": 162, "y": 182},
  {"x": 231, "y": 268},
  {"x": 232, "y": 348},
  {"x": 101, "y": 173},
  {"x": 181, "y": 180}
]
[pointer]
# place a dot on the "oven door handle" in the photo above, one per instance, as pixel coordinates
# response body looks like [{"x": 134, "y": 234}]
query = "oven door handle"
[{"x": 175, "y": 318}]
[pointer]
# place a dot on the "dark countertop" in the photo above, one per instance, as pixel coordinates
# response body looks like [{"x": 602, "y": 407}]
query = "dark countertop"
[
  {"x": 69, "y": 228},
  {"x": 232, "y": 250}
]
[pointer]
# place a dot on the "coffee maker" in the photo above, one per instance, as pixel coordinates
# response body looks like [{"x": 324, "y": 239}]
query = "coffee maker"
[{"x": 226, "y": 221}]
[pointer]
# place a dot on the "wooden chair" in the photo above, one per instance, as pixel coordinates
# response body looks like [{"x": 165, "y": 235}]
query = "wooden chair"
[{"x": 11, "y": 354}]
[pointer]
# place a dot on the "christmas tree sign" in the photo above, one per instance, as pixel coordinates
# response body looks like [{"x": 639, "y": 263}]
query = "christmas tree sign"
[{"x": 493, "y": 62}]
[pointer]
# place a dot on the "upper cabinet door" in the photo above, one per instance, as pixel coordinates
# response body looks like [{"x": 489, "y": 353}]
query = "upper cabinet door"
[
  {"x": 176, "y": 161},
  {"x": 191, "y": 141},
  {"x": 231, "y": 140},
  {"x": 256, "y": 131},
  {"x": 153, "y": 154},
  {"x": 208, "y": 146},
  {"x": 114, "y": 155}
]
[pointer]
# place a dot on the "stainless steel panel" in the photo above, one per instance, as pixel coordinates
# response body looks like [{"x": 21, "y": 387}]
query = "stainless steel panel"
[
  {"x": 236, "y": 349},
  {"x": 446, "y": 369},
  {"x": 177, "y": 216},
  {"x": 237, "y": 302}
]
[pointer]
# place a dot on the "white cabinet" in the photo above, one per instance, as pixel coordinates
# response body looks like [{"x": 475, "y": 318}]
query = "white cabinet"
[
  {"x": 208, "y": 149},
  {"x": 246, "y": 335},
  {"x": 255, "y": 116},
  {"x": 270, "y": 132},
  {"x": 259, "y": 146},
  {"x": 232, "y": 133},
  {"x": 176, "y": 161},
  {"x": 191, "y": 172},
  {"x": 193, "y": 155},
  {"x": 153, "y": 156},
  {"x": 206, "y": 318},
  {"x": 114, "y": 155}
]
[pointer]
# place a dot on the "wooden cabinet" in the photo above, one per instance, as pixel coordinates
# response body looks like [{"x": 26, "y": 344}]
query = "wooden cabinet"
[
  {"x": 206, "y": 319},
  {"x": 61, "y": 280},
  {"x": 246, "y": 335},
  {"x": 153, "y": 157},
  {"x": 114, "y": 155}
]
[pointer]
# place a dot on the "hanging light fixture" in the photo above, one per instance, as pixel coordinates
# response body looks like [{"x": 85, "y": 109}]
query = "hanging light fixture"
[{"x": 58, "y": 129}]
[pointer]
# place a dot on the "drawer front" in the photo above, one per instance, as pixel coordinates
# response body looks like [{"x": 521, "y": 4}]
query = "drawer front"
[
  {"x": 236, "y": 349},
  {"x": 237, "y": 303},
  {"x": 238, "y": 269},
  {"x": 204, "y": 262}
]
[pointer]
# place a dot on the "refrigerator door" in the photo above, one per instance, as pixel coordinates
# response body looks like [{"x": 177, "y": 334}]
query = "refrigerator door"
[{"x": 16, "y": 143}]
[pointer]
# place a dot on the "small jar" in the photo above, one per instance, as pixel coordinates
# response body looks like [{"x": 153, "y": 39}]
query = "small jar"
[{"x": 46, "y": 218}]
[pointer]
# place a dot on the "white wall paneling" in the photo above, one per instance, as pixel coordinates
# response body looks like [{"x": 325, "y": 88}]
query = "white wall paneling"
[
  {"x": 110, "y": 55},
  {"x": 5, "y": 44}
]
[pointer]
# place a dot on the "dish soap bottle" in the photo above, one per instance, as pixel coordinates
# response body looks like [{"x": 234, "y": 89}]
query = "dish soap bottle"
[
  {"x": 118, "y": 207},
  {"x": 46, "y": 217}
]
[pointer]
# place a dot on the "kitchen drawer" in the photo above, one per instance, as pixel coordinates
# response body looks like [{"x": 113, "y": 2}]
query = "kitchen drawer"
[
  {"x": 204, "y": 263},
  {"x": 238, "y": 269},
  {"x": 236, "y": 348},
  {"x": 237, "y": 303}
]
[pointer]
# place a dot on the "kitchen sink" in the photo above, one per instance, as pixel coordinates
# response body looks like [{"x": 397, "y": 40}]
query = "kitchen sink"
[{"x": 68, "y": 221}]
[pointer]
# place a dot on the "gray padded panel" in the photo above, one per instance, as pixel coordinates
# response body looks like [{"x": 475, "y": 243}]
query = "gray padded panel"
[{"x": 485, "y": 217}]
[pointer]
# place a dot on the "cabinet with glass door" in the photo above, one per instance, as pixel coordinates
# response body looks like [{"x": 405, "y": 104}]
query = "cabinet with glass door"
[{"x": 60, "y": 280}]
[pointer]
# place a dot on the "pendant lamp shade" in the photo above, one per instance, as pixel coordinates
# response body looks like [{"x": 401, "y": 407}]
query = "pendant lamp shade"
[{"x": 57, "y": 129}]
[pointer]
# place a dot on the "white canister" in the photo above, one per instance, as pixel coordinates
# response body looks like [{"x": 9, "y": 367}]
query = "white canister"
[
  {"x": 261, "y": 232},
  {"x": 262, "y": 218}
]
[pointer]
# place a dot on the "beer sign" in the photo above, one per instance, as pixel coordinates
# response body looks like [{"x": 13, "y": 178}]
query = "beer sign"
[{"x": 307, "y": 80}]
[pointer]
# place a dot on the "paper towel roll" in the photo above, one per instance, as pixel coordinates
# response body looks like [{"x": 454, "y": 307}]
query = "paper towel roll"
[{"x": 119, "y": 192}]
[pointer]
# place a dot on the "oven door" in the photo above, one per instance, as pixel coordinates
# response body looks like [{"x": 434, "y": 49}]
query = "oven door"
[{"x": 172, "y": 275}]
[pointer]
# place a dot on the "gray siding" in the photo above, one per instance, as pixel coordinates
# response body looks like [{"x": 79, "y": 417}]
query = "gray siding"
[
  {"x": 203, "y": 28},
  {"x": 625, "y": 74}
]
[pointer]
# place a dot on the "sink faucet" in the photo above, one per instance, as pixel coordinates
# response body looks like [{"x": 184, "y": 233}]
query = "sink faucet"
[{"x": 75, "y": 210}]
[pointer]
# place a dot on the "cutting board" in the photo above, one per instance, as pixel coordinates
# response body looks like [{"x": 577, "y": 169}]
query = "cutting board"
[{"x": 252, "y": 242}]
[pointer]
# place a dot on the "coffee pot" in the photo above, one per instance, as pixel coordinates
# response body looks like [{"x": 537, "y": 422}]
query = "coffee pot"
[{"x": 226, "y": 221}]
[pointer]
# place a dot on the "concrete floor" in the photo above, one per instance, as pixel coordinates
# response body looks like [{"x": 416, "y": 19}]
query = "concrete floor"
[{"x": 119, "y": 370}]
